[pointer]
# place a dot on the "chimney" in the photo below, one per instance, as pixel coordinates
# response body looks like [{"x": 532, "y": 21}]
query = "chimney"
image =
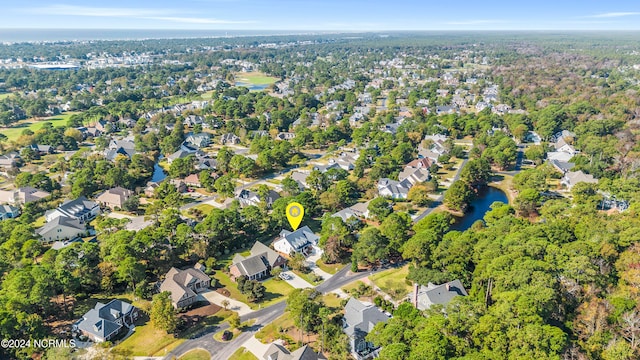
[{"x": 415, "y": 294}]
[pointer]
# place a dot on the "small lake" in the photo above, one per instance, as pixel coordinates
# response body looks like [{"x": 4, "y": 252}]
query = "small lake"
[
  {"x": 158, "y": 172},
  {"x": 479, "y": 207},
  {"x": 252, "y": 87}
]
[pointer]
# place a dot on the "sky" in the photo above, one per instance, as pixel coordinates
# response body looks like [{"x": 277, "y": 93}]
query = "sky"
[{"x": 324, "y": 15}]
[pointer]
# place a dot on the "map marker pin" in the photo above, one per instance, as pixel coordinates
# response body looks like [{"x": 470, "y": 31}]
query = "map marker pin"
[{"x": 295, "y": 213}]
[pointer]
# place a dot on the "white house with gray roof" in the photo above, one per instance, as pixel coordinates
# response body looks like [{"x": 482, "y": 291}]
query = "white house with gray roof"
[
  {"x": 105, "y": 321},
  {"x": 299, "y": 241},
  {"x": 81, "y": 209},
  {"x": 61, "y": 228},
  {"x": 258, "y": 265}
]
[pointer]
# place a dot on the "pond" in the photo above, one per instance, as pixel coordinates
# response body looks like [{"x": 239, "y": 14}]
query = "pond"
[
  {"x": 479, "y": 207},
  {"x": 158, "y": 172},
  {"x": 252, "y": 87}
]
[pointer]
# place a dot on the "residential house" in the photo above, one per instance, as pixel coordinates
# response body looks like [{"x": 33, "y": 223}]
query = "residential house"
[
  {"x": 80, "y": 209},
  {"x": 229, "y": 139},
  {"x": 9, "y": 212},
  {"x": 193, "y": 120},
  {"x": 571, "y": 178},
  {"x": 150, "y": 190},
  {"x": 346, "y": 161},
  {"x": 42, "y": 149},
  {"x": 325, "y": 168},
  {"x": 103, "y": 126},
  {"x": 9, "y": 160},
  {"x": 106, "y": 321},
  {"x": 248, "y": 197},
  {"x": 184, "y": 285},
  {"x": 359, "y": 210},
  {"x": 285, "y": 136},
  {"x": 301, "y": 179},
  {"x": 114, "y": 198},
  {"x": 182, "y": 153},
  {"x": 359, "y": 319},
  {"x": 199, "y": 140},
  {"x": 61, "y": 228},
  {"x": 119, "y": 147},
  {"x": 258, "y": 265},
  {"x": 394, "y": 189},
  {"x": 192, "y": 180},
  {"x": 562, "y": 166},
  {"x": 279, "y": 352},
  {"x": 23, "y": 195},
  {"x": 426, "y": 296},
  {"x": 299, "y": 241},
  {"x": 414, "y": 175}
]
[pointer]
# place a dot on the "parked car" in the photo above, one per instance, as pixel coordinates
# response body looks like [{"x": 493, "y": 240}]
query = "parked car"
[{"x": 285, "y": 276}]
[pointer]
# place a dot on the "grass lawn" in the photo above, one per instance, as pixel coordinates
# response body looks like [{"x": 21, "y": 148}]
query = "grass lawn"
[
  {"x": 255, "y": 78},
  {"x": 332, "y": 301},
  {"x": 34, "y": 125},
  {"x": 197, "y": 354},
  {"x": 275, "y": 291},
  {"x": 449, "y": 174},
  {"x": 147, "y": 341},
  {"x": 218, "y": 336},
  {"x": 330, "y": 268},
  {"x": 270, "y": 332},
  {"x": 310, "y": 277},
  {"x": 392, "y": 282},
  {"x": 242, "y": 354},
  {"x": 39, "y": 222},
  {"x": 5, "y": 95}
]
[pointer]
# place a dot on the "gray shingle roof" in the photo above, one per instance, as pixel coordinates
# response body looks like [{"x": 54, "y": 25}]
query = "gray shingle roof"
[
  {"x": 438, "y": 294},
  {"x": 60, "y": 221},
  {"x": 300, "y": 238},
  {"x": 361, "y": 317}
]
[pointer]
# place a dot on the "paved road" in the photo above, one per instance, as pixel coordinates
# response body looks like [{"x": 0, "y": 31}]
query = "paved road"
[{"x": 262, "y": 317}]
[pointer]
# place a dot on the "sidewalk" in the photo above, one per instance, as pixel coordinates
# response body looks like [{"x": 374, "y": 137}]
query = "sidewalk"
[{"x": 234, "y": 305}]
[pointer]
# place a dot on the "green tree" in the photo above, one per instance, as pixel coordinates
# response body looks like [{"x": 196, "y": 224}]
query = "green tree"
[
  {"x": 379, "y": 208},
  {"x": 458, "y": 196},
  {"x": 163, "y": 314}
]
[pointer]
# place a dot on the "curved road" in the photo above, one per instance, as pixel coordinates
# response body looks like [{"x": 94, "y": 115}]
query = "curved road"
[{"x": 262, "y": 317}]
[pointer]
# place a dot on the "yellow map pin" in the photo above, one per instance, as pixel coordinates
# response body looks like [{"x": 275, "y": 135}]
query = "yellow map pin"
[{"x": 295, "y": 213}]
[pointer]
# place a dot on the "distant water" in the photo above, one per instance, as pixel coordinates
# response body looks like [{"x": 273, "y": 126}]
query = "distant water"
[
  {"x": 252, "y": 87},
  {"x": 52, "y": 35}
]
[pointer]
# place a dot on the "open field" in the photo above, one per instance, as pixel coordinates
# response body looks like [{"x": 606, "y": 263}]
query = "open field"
[
  {"x": 392, "y": 282},
  {"x": 34, "y": 125},
  {"x": 5, "y": 95},
  {"x": 255, "y": 78}
]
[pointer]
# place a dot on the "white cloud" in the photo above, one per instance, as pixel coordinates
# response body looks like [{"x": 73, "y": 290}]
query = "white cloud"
[{"x": 615, "y": 14}]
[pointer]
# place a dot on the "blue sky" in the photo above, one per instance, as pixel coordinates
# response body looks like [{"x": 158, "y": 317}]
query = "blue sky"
[{"x": 348, "y": 15}]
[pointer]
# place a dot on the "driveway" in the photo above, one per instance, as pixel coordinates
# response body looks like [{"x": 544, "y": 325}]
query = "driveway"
[
  {"x": 256, "y": 347},
  {"x": 311, "y": 263},
  {"x": 234, "y": 305},
  {"x": 296, "y": 281}
]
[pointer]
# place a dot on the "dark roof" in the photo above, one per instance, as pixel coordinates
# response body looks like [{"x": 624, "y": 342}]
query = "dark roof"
[{"x": 100, "y": 321}]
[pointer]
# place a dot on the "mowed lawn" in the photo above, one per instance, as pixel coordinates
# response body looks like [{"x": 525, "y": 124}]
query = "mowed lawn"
[
  {"x": 14, "y": 132},
  {"x": 255, "y": 78},
  {"x": 196, "y": 354},
  {"x": 242, "y": 354},
  {"x": 276, "y": 290},
  {"x": 147, "y": 341},
  {"x": 393, "y": 282},
  {"x": 5, "y": 95}
]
